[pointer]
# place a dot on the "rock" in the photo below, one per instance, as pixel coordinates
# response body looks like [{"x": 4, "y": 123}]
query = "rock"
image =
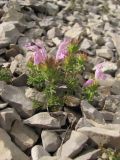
[
  {"x": 52, "y": 33},
  {"x": 54, "y": 158},
  {"x": 20, "y": 81},
  {"x": 108, "y": 116},
  {"x": 38, "y": 151},
  {"x": 7, "y": 117},
  {"x": 13, "y": 65},
  {"x": 112, "y": 102},
  {"x": 52, "y": 9},
  {"x": 105, "y": 53},
  {"x": 3, "y": 105},
  {"x": 24, "y": 136},
  {"x": 13, "y": 51},
  {"x": 116, "y": 41},
  {"x": 17, "y": 100},
  {"x": 4, "y": 43},
  {"x": 102, "y": 136},
  {"x": 33, "y": 94},
  {"x": 47, "y": 22},
  {"x": 74, "y": 32},
  {"x": 8, "y": 150},
  {"x": 9, "y": 31},
  {"x": 86, "y": 44},
  {"x": 89, "y": 155},
  {"x": 115, "y": 89},
  {"x": 83, "y": 122},
  {"x": 50, "y": 140},
  {"x": 72, "y": 101},
  {"x": 43, "y": 120},
  {"x": 73, "y": 146},
  {"x": 34, "y": 33},
  {"x": 91, "y": 113}
]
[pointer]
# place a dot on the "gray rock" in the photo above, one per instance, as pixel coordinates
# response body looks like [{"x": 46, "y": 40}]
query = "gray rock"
[
  {"x": 3, "y": 105},
  {"x": 108, "y": 116},
  {"x": 17, "y": 100},
  {"x": 89, "y": 155},
  {"x": 8, "y": 150},
  {"x": 20, "y": 81},
  {"x": 52, "y": 9},
  {"x": 44, "y": 120},
  {"x": 50, "y": 140},
  {"x": 7, "y": 117},
  {"x": 54, "y": 32},
  {"x": 9, "y": 31},
  {"x": 33, "y": 94},
  {"x": 24, "y": 136},
  {"x": 102, "y": 136},
  {"x": 38, "y": 151},
  {"x": 83, "y": 122},
  {"x": 86, "y": 44},
  {"x": 54, "y": 158},
  {"x": 4, "y": 43},
  {"x": 116, "y": 41},
  {"x": 105, "y": 53},
  {"x": 115, "y": 89},
  {"x": 73, "y": 146},
  {"x": 91, "y": 113},
  {"x": 72, "y": 101},
  {"x": 74, "y": 32}
]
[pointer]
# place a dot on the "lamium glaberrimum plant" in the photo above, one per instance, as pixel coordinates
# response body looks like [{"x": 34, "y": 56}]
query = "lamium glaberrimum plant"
[{"x": 47, "y": 74}]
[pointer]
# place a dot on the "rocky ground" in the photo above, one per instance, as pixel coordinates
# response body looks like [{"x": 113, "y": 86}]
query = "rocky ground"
[{"x": 25, "y": 132}]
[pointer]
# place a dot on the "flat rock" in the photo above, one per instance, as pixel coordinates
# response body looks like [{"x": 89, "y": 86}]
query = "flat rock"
[
  {"x": 89, "y": 155},
  {"x": 17, "y": 99},
  {"x": 50, "y": 140},
  {"x": 73, "y": 146},
  {"x": 44, "y": 120},
  {"x": 38, "y": 151},
  {"x": 74, "y": 32},
  {"x": 105, "y": 53},
  {"x": 91, "y": 113},
  {"x": 24, "y": 136},
  {"x": 52, "y": 9},
  {"x": 115, "y": 89},
  {"x": 8, "y": 30},
  {"x": 7, "y": 117},
  {"x": 54, "y": 158},
  {"x": 102, "y": 136},
  {"x": 8, "y": 150}
]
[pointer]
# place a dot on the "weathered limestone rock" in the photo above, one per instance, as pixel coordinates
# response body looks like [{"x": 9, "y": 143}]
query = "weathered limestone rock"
[
  {"x": 50, "y": 140},
  {"x": 38, "y": 151},
  {"x": 24, "y": 136},
  {"x": 7, "y": 117},
  {"x": 73, "y": 146},
  {"x": 8, "y": 150}
]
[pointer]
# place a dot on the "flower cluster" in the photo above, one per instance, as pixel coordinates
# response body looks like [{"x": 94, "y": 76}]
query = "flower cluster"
[{"x": 48, "y": 74}]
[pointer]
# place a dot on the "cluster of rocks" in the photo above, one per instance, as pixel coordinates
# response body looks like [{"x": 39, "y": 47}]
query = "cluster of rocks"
[{"x": 78, "y": 131}]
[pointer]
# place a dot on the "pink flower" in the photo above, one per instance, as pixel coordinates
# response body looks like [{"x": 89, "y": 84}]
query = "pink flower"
[
  {"x": 39, "y": 51},
  {"x": 62, "y": 50},
  {"x": 88, "y": 83},
  {"x": 100, "y": 75}
]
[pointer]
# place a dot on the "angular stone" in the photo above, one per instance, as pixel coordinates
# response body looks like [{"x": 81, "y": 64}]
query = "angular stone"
[
  {"x": 54, "y": 158},
  {"x": 20, "y": 81},
  {"x": 50, "y": 140},
  {"x": 3, "y": 105},
  {"x": 83, "y": 122},
  {"x": 38, "y": 151},
  {"x": 102, "y": 136},
  {"x": 44, "y": 120},
  {"x": 108, "y": 116},
  {"x": 74, "y": 32},
  {"x": 115, "y": 89},
  {"x": 72, "y": 101},
  {"x": 24, "y": 136},
  {"x": 73, "y": 146},
  {"x": 105, "y": 53},
  {"x": 17, "y": 100},
  {"x": 52, "y": 9},
  {"x": 116, "y": 40},
  {"x": 9, "y": 31},
  {"x": 89, "y": 155},
  {"x": 7, "y": 117},
  {"x": 91, "y": 113},
  {"x": 8, "y": 150},
  {"x": 86, "y": 44}
]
